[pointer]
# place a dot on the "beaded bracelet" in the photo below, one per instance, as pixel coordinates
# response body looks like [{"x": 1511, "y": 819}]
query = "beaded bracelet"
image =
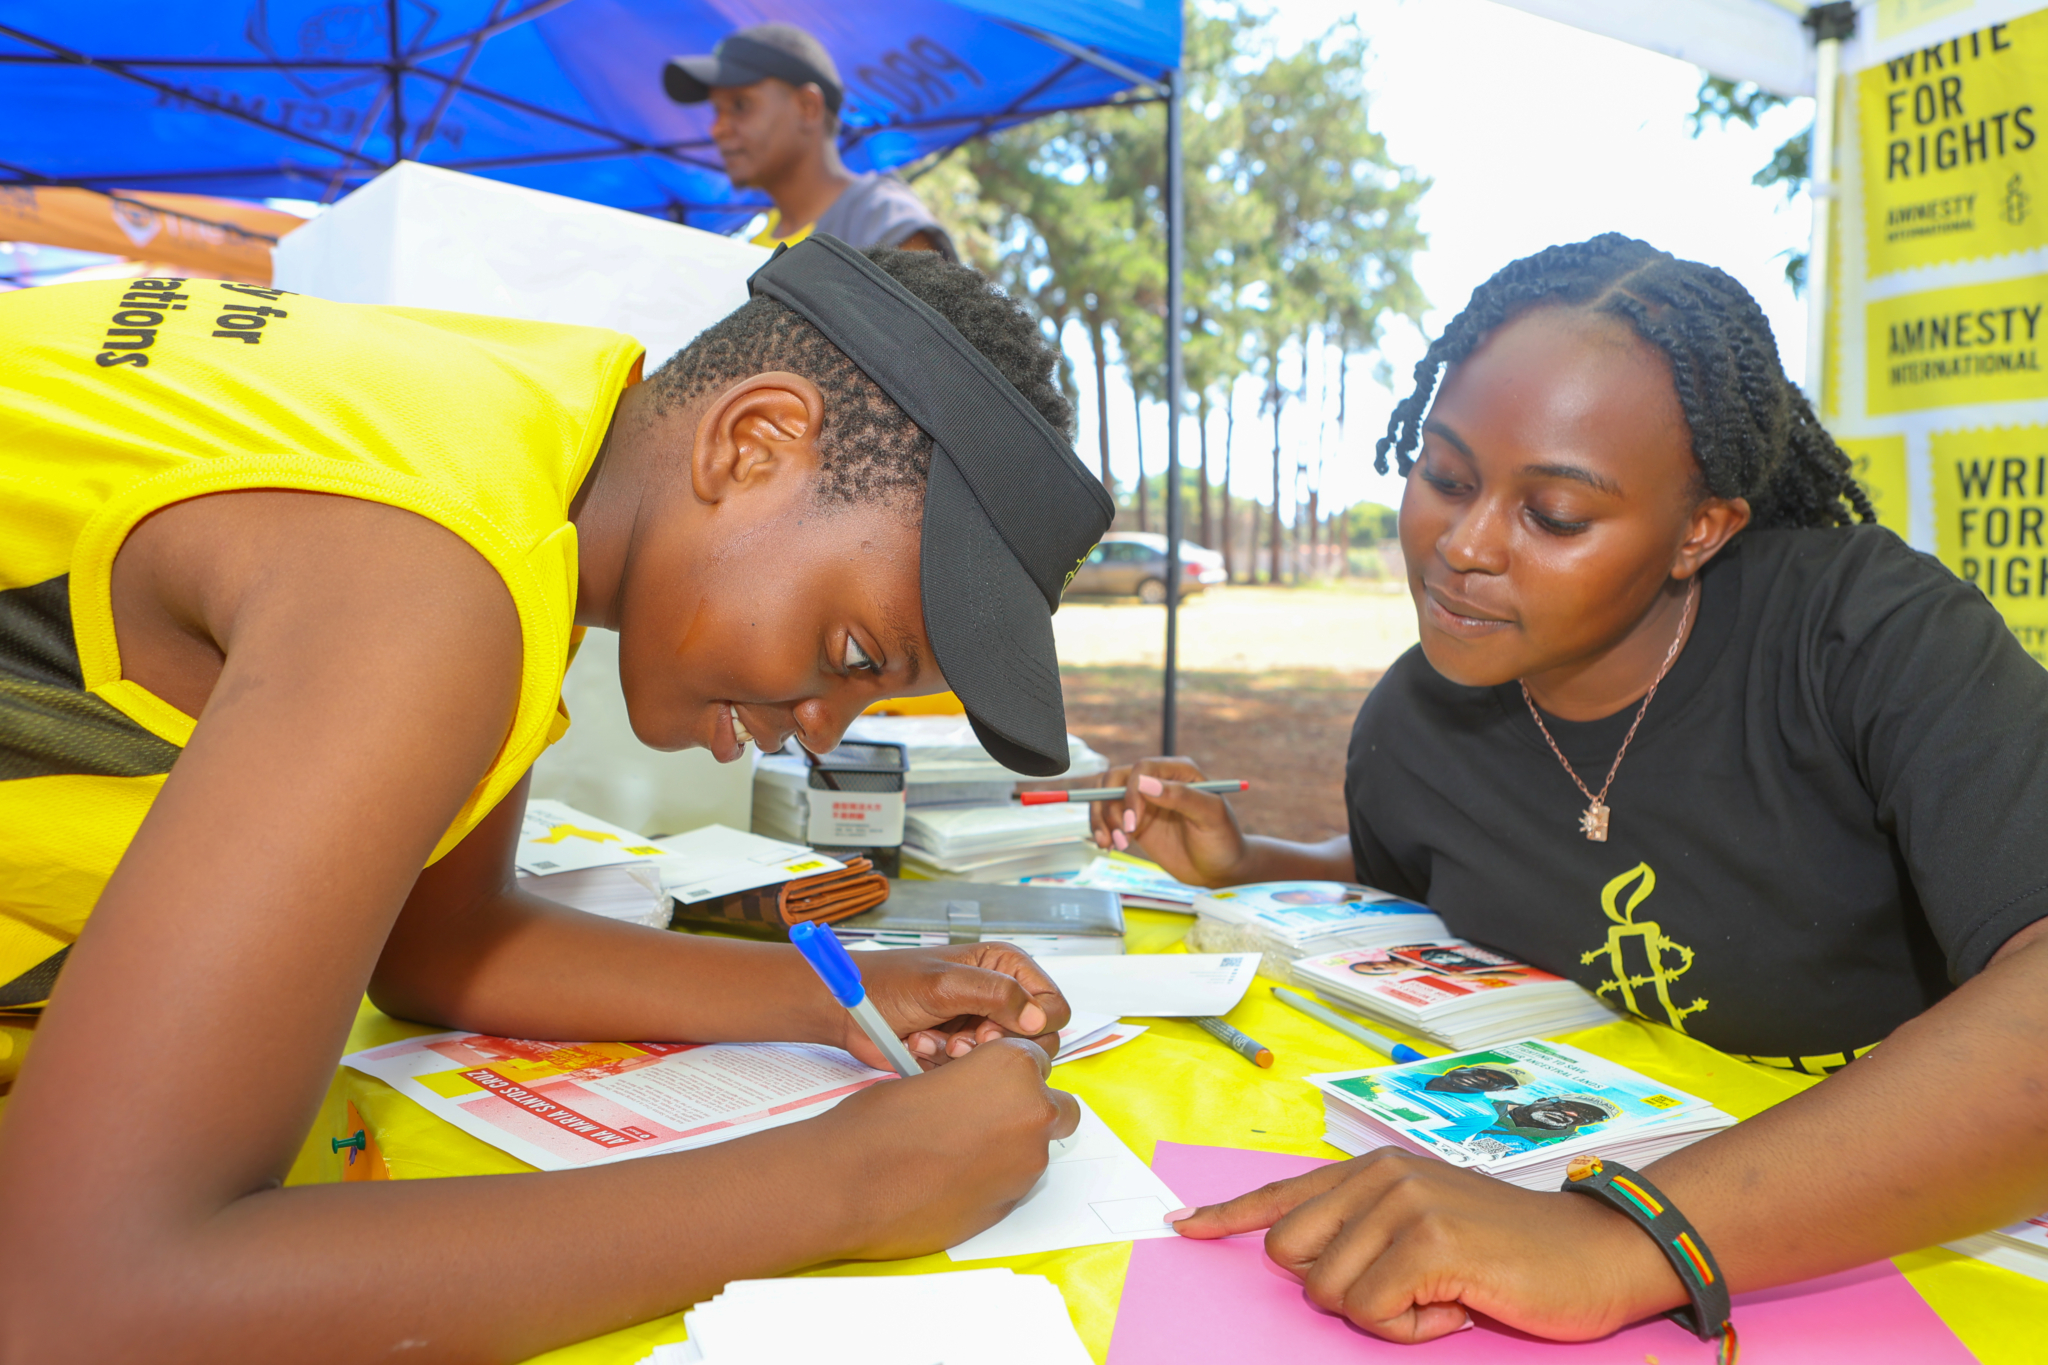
[{"x": 1620, "y": 1188}]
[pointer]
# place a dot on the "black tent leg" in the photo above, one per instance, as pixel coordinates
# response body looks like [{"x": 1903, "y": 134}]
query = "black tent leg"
[{"x": 1169, "y": 710}]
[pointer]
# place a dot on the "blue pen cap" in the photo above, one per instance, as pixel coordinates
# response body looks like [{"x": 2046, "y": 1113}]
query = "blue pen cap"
[{"x": 829, "y": 958}]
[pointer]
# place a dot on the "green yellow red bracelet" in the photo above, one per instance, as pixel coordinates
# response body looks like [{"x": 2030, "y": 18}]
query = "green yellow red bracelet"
[{"x": 1626, "y": 1191}]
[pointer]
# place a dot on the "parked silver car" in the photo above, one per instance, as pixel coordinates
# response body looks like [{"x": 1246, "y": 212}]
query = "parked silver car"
[{"x": 1133, "y": 564}]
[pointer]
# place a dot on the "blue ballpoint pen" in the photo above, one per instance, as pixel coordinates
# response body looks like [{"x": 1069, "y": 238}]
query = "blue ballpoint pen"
[{"x": 834, "y": 965}]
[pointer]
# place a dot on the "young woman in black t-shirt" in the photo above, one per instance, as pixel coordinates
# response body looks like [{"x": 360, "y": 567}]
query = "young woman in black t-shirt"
[{"x": 1684, "y": 728}]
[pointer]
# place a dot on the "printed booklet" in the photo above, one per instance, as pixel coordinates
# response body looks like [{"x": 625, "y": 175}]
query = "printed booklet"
[
  {"x": 1518, "y": 1112},
  {"x": 1288, "y": 921},
  {"x": 1457, "y": 993}
]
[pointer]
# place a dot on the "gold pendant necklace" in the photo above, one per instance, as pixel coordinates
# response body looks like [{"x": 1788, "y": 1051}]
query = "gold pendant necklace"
[{"x": 1593, "y": 820}]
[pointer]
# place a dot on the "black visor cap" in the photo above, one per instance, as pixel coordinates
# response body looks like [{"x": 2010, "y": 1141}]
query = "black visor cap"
[
  {"x": 742, "y": 61},
  {"x": 1010, "y": 511}
]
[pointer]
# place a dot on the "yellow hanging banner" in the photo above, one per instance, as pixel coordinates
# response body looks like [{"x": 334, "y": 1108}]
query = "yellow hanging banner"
[
  {"x": 1991, "y": 520},
  {"x": 1953, "y": 154},
  {"x": 1880, "y": 463},
  {"x": 1975, "y": 343}
]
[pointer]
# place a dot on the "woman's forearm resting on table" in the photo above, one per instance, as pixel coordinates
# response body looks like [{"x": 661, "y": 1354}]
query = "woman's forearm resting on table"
[{"x": 1937, "y": 1134}]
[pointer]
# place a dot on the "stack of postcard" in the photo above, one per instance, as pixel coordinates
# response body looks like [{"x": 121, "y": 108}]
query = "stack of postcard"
[
  {"x": 2022, "y": 1247},
  {"x": 1457, "y": 993},
  {"x": 1518, "y": 1112},
  {"x": 998, "y": 843},
  {"x": 1141, "y": 885},
  {"x": 965, "y": 1317},
  {"x": 1287, "y": 921},
  {"x": 624, "y": 891}
]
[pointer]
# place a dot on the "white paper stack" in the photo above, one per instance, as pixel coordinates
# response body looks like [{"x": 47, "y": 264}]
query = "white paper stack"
[
  {"x": 782, "y": 797},
  {"x": 700, "y": 864},
  {"x": 1518, "y": 1112},
  {"x": 1451, "y": 991},
  {"x": 966, "y": 1317},
  {"x": 1287, "y": 921},
  {"x": 949, "y": 766},
  {"x": 994, "y": 843},
  {"x": 717, "y": 860},
  {"x": 624, "y": 891},
  {"x": 2023, "y": 1247},
  {"x": 555, "y": 838}
]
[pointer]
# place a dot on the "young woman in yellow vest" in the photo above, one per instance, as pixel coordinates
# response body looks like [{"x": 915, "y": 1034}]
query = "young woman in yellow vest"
[
  {"x": 287, "y": 589},
  {"x": 1684, "y": 728}
]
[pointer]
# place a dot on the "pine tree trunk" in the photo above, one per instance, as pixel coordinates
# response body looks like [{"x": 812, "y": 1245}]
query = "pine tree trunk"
[
  {"x": 1202, "y": 414},
  {"x": 1251, "y": 574},
  {"x": 1138, "y": 413},
  {"x": 1315, "y": 527},
  {"x": 1273, "y": 548},
  {"x": 1229, "y": 430},
  {"x": 1093, "y": 321}
]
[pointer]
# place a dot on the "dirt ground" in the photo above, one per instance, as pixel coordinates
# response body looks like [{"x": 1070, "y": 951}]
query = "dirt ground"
[
  {"x": 1283, "y": 729},
  {"x": 1271, "y": 680},
  {"x": 1352, "y": 628}
]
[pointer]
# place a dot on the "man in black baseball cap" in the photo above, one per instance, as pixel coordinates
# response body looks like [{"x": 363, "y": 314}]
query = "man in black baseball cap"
[{"x": 777, "y": 96}]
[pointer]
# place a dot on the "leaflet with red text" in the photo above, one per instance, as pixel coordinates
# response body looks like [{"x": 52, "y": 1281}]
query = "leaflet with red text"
[{"x": 563, "y": 1105}]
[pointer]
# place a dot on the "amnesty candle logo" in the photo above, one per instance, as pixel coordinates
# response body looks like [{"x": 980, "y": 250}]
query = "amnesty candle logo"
[{"x": 1638, "y": 953}]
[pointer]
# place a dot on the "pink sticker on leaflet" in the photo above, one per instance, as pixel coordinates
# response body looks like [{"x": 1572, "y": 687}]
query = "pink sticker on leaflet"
[{"x": 1223, "y": 1303}]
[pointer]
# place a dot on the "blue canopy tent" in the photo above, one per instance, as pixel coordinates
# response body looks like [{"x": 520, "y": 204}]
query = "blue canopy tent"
[{"x": 310, "y": 98}]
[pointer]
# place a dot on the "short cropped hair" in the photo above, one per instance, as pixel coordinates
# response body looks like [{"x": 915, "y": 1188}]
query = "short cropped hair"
[{"x": 869, "y": 450}]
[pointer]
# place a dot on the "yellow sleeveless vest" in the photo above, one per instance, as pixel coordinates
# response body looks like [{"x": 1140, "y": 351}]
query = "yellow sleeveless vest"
[{"x": 118, "y": 399}]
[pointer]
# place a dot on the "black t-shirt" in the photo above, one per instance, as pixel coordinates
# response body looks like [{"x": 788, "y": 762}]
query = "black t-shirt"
[{"x": 1836, "y": 807}]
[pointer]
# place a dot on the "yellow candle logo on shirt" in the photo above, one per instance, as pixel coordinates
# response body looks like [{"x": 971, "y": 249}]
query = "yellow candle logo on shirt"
[{"x": 1648, "y": 935}]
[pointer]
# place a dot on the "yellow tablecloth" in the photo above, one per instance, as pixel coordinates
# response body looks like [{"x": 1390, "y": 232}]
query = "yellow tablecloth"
[{"x": 1175, "y": 1084}]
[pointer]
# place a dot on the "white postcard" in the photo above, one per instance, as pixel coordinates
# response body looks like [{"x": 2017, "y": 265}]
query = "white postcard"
[{"x": 1155, "y": 985}]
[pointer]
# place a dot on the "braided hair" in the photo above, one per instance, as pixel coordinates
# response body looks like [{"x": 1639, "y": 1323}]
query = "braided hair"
[{"x": 1753, "y": 433}]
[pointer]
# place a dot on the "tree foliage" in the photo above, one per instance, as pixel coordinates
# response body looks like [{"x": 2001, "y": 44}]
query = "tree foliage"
[
  {"x": 1726, "y": 101},
  {"x": 1300, "y": 228}
]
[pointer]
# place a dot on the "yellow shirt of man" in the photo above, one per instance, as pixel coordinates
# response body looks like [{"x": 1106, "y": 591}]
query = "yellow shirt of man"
[{"x": 125, "y": 397}]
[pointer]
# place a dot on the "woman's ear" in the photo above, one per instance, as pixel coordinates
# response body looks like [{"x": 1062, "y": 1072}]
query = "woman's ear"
[
  {"x": 761, "y": 429},
  {"x": 1714, "y": 523}
]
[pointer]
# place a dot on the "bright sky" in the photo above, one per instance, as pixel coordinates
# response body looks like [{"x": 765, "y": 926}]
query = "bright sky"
[{"x": 1535, "y": 133}]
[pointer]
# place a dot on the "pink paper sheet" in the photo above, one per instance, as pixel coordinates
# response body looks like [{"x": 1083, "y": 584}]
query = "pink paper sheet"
[{"x": 1224, "y": 1303}]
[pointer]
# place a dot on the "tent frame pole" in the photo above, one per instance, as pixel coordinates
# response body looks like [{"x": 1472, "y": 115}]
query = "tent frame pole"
[
  {"x": 1830, "y": 24},
  {"x": 1169, "y": 716}
]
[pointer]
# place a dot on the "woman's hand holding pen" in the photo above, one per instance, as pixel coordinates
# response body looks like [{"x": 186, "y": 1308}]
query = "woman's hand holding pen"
[
  {"x": 945, "y": 1002},
  {"x": 1407, "y": 1248},
  {"x": 1193, "y": 835}
]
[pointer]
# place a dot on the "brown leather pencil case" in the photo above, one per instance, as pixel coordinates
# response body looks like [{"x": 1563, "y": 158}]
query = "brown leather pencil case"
[{"x": 770, "y": 911}]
